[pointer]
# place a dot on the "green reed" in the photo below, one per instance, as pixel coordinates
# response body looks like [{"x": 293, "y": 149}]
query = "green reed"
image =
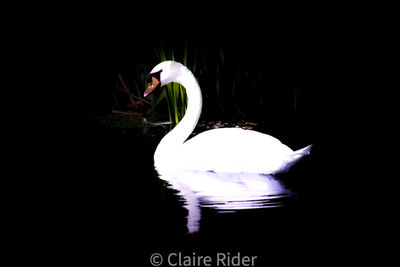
[
  {"x": 174, "y": 93},
  {"x": 231, "y": 90}
]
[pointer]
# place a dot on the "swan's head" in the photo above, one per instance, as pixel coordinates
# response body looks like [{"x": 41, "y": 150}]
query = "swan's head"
[{"x": 162, "y": 74}]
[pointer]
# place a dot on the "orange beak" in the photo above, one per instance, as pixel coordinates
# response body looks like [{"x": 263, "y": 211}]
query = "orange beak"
[{"x": 150, "y": 88}]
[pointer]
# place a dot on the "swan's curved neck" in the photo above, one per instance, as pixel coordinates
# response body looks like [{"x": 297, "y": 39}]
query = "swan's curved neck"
[{"x": 185, "y": 127}]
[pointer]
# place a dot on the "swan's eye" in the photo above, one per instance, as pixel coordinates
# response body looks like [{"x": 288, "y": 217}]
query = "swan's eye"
[{"x": 156, "y": 75}]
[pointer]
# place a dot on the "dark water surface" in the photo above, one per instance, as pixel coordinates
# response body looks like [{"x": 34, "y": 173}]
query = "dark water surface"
[{"x": 125, "y": 212}]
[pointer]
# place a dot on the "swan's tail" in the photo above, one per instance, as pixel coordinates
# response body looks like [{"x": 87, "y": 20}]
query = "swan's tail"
[
  {"x": 294, "y": 157},
  {"x": 302, "y": 152}
]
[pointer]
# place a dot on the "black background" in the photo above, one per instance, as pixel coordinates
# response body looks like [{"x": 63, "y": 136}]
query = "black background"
[{"x": 95, "y": 174}]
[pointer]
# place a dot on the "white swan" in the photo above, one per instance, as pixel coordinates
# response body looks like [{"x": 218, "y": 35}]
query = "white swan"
[{"x": 218, "y": 150}]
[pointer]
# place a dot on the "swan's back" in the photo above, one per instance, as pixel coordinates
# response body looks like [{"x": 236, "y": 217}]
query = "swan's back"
[{"x": 234, "y": 150}]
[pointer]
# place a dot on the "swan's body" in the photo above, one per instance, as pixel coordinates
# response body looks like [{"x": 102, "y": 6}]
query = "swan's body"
[{"x": 219, "y": 150}]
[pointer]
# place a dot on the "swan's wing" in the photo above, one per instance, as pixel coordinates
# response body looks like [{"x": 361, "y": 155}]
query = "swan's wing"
[
  {"x": 236, "y": 139},
  {"x": 234, "y": 149}
]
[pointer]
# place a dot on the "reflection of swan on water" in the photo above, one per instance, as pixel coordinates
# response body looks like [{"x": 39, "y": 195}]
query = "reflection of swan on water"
[
  {"x": 223, "y": 192},
  {"x": 220, "y": 150}
]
